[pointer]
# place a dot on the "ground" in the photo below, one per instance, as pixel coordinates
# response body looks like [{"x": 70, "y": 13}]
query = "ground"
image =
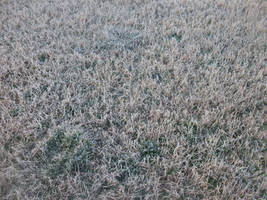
[{"x": 141, "y": 99}]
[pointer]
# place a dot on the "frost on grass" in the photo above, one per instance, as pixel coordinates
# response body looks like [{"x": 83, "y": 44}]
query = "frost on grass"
[
  {"x": 163, "y": 99},
  {"x": 119, "y": 38},
  {"x": 68, "y": 151}
]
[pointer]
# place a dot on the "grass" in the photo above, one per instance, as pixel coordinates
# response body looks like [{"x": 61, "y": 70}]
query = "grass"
[{"x": 133, "y": 99}]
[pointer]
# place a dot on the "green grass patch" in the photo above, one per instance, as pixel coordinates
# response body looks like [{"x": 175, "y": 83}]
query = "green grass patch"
[{"x": 68, "y": 151}]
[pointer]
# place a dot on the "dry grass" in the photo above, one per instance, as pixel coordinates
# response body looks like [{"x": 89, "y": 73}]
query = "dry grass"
[{"x": 140, "y": 99}]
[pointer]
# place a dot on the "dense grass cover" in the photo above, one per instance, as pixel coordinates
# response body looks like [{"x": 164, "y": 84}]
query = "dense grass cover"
[{"x": 133, "y": 99}]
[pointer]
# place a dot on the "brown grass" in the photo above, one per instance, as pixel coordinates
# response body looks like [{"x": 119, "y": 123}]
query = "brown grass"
[{"x": 138, "y": 99}]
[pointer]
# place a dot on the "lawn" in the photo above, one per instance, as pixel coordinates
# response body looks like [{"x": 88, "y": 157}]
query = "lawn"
[{"x": 133, "y": 99}]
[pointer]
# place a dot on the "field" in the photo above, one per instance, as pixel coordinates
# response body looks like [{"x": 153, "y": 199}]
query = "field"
[{"x": 133, "y": 99}]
